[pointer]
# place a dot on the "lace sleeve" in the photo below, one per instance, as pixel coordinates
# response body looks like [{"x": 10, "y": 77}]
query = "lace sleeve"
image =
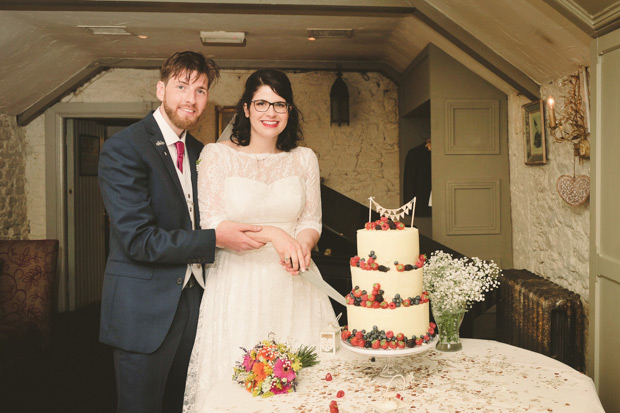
[
  {"x": 311, "y": 214},
  {"x": 212, "y": 172}
]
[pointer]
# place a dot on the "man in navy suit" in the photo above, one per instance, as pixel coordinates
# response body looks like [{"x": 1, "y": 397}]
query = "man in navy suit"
[{"x": 154, "y": 277}]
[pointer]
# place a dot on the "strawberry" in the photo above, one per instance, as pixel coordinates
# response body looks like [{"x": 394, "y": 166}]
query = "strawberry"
[
  {"x": 389, "y": 334},
  {"x": 431, "y": 331},
  {"x": 406, "y": 302},
  {"x": 354, "y": 260},
  {"x": 361, "y": 343},
  {"x": 392, "y": 344},
  {"x": 345, "y": 334},
  {"x": 400, "y": 267},
  {"x": 384, "y": 344},
  {"x": 369, "y": 304},
  {"x": 370, "y": 260},
  {"x": 376, "y": 344},
  {"x": 364, "y": 297},
  {"x": 357, "y": 293},
  {"x": 333, "y": 407},
  {"x": 398, "y": 396},
  {"x": 376, "y": 304},
  {"x": 400, "y": 344},
  {"x": 422, "y": 257},
  {"x": 400, "y": 336},
  {"x": 359, "y": 335},
  {"x": 328, "y": 377},
  {"x": 426, "y": 338},
  {"x": 340, "y": 393},
  {"x": 354, "y": 341},
  {"x": 432, "y": 325},
  {"x": 419, "y": 264},
  {"x": 368, "y": 225},
  {"x": 376, "y": 286},
  {"x": 374, "y": 266},
  {"x": 419, "y": 342},
  {"x": 370, "y": 297},
  {"x": 384, "y": 304}
]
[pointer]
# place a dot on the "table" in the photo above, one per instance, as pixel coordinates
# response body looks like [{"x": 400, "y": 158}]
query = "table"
[{"x": 486, "y": 376}]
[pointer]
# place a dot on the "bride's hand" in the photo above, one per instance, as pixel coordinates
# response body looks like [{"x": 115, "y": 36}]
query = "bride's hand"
[{"x": 291, "y": 252}]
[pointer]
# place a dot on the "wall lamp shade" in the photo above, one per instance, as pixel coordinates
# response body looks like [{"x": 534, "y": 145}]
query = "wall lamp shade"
[{"x": 339, "y": 97}]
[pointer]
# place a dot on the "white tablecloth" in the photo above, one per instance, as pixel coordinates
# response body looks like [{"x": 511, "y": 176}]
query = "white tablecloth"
[{"x": 486, "y": 376}]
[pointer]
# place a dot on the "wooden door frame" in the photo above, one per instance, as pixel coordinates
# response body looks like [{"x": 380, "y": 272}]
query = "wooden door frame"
[{"x": 56, "y": 180}]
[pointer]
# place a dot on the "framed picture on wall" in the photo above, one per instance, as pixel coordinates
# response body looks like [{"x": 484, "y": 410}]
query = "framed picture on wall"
[
  {"x": 223, "y": 115},
  {"x": 534, "y": 133}
]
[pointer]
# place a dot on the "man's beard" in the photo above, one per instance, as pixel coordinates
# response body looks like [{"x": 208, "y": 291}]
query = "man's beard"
[{"x": 179, "y": 122}]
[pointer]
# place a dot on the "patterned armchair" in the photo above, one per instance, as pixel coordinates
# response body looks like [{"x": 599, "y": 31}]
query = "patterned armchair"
[{"x": 28, "y": 270}]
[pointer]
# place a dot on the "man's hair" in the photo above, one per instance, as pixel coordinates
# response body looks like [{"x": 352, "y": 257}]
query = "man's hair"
[{"x": 189, "y": 63}]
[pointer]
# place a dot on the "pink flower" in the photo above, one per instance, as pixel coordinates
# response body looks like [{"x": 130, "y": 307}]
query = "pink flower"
[
  {"x": 276, "y": 390},
  {"x": 248, "y": 363},
  {"x": 282, "y": 369}
]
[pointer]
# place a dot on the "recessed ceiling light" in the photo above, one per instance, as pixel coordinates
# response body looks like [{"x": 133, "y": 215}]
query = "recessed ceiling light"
[
  {"x": 142, "y": 36},
  {"x": 107, "y": 30},
  {"x": 223, "y": 38},
  {"x": 330, "y": 33}
]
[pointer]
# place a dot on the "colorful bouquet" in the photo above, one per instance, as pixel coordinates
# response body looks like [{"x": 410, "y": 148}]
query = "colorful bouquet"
[{"x": 271, "y": 368}]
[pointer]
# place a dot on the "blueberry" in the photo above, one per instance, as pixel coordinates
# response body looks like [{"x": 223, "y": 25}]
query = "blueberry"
[{"x": 408, "y": 267}]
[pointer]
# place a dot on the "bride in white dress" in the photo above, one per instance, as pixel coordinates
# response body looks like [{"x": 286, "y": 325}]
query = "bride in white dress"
[{"x": 260, "y": 177}]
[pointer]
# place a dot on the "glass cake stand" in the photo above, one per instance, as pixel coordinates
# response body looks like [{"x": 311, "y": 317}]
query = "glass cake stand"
[{"x": 390, "y": 369}]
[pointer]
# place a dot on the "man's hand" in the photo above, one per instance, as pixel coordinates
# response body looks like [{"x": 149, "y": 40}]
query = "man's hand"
[{"x": 232, "y": 235}]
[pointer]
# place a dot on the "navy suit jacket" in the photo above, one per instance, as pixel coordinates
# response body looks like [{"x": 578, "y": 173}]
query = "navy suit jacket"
[{"x": 151, "y": 236}]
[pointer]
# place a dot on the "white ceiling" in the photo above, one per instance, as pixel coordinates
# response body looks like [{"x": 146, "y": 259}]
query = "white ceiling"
[{"x": 516, "y": 44}]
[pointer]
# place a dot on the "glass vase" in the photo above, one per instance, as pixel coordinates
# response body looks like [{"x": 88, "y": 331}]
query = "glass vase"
[{"x": 448, "y": 323}]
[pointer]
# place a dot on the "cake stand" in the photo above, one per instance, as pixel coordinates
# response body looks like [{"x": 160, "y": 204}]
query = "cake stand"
[{"x": 390, "y": 370}]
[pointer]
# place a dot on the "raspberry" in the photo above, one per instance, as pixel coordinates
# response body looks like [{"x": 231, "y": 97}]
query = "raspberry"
[
  {"x": 432, "y": 325},
  {"x": 385, "y": 227},
  {"x": 370, "y": 260},
  {"x": 368, "y": 225},
  {"x": 392, "y": 306},
  {"x": 328, "y": 377},
  {"x": 340, "y": 393},
  {"x": 389, "y": 334},
  {"x": 359, "y": 335},
  {"x": 383, "y": 219}
]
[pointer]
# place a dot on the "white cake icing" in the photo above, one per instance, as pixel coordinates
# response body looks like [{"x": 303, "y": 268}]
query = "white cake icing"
[
  {"x": 394, "y": 245},
  {"x": 390, "y": 246}
]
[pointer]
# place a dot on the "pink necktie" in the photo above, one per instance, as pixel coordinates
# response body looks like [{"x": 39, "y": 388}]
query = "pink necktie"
[{"x": 180, "y": 153}]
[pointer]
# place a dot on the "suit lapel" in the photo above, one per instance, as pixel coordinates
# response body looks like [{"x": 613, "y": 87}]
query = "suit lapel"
[{"x": 157, "y": 140}]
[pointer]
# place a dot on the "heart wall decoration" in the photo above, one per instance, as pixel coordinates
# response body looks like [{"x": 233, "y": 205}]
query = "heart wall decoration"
[{"x": 574, "y": 190}]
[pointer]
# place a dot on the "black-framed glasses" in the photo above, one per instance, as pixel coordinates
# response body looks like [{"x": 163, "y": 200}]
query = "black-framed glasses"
[{"x": 263, "y": 106}]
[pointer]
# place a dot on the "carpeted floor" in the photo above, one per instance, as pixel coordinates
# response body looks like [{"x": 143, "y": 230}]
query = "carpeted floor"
[{"x": 75, "y": 375}]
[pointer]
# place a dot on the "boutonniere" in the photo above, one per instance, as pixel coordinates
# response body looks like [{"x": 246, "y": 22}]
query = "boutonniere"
[{"x": 160, "y": 143}]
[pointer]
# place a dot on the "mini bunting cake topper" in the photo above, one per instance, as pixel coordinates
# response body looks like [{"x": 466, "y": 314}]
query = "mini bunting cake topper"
[{"x": 393, "y": 214}]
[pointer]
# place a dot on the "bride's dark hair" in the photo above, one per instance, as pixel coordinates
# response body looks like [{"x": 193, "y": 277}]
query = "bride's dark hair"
[{"x": 279, "y": 83}]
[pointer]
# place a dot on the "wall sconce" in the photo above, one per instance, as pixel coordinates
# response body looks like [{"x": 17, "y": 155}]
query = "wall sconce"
[
  {"x": 574, "y": 122},
  {"x": 339, "y": 97}
]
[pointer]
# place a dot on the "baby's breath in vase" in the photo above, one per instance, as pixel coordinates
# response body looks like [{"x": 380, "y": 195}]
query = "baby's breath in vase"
[{"x": 453, "y": 285}]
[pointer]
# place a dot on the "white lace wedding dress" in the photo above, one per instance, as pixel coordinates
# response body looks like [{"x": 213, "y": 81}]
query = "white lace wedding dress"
[{"x": 248, "y": 295}]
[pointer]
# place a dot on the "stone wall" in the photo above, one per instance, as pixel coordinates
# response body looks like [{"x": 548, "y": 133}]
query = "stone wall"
[
  {"x": 550, "y": 237},
  {"x": 13, "y": 213},
  {"x": 359, "y": 160}
]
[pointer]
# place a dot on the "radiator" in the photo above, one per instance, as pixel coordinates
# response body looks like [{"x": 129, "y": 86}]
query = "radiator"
[{"x": 539, "y": 315}]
